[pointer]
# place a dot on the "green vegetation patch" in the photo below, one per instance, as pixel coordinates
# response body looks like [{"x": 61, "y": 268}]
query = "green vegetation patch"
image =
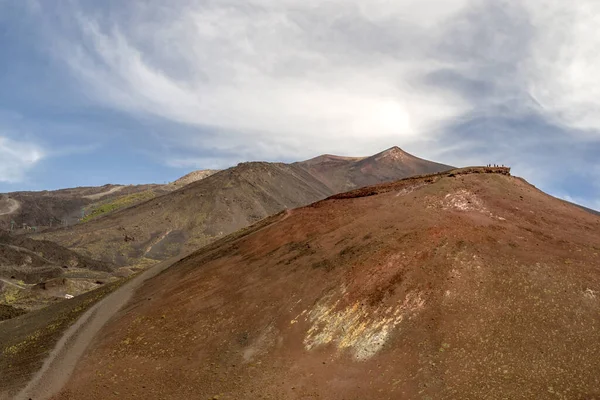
[
  {"x": 99, "y": 209},
  {"x": 11, "y": 295}
]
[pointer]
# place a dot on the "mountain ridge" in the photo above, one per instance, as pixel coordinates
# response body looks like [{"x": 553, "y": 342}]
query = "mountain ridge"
[
  {"x": 224, "y": 202},
  {"x": 23, "y": 210},
  {"x": 342, "y": 174}
]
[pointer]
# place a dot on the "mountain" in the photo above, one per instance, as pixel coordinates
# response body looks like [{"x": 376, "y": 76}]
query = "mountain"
[
  {"x": 26, "y": 211},
  {"x": 468, "y": 284},
  {"x": 341, "y": 174},
  {"x": 225, "y": 202}
]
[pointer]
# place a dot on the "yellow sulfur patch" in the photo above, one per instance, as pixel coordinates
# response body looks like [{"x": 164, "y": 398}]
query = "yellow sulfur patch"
[{"x": 362, "y": 329}]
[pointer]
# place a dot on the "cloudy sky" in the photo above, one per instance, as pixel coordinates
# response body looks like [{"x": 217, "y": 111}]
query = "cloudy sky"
[{"x": 145, "y": 91}]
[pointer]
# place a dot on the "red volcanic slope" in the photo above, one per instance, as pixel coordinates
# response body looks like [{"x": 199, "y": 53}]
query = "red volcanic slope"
[{"x": 466, "y": 285}]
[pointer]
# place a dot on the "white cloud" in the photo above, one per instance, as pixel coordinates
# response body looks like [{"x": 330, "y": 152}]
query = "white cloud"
[
  {"x": 562, "y": 70},
  {"x": 277, "y": 74},
  {"x": 16, "y": 158}
]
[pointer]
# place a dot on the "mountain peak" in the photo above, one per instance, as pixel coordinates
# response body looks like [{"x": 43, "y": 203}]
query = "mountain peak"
[
  {"x": 395, "y": 153},
  {"x": 328, "y": 158},
  {"x": 394, "y": 149},
  {"x": 194, "y": 176}
]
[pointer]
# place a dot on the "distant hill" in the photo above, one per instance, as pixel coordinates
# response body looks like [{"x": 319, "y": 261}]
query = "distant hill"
[
  {"x": 46, "y": 209},
  {"x": 226, "y": 201},
  {"x": 34, "y": 273}
]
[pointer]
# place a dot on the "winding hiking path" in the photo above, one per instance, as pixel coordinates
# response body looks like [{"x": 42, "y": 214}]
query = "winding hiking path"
[
  {"x": 102, "y": 194},
  {"x": 61, "y": 362},
  {"x": 12, "y": 284},
  {"x": 12, "y": 206}
]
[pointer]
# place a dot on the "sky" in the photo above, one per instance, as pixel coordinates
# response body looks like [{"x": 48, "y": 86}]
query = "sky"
[{"x": 147, "y": 91}]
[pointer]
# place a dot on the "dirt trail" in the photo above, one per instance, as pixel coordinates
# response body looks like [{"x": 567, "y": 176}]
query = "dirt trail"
[
  {"x": 13, "y": 205},
  {"x": 13, "y": 284},
  {"x": 62, "y": 360},
  {"x": 155, "y": 242},
  {"x": 100, "y": 195}
]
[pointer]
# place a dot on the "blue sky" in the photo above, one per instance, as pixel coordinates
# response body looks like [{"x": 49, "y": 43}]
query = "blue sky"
[{"x": 146, "y": 91}]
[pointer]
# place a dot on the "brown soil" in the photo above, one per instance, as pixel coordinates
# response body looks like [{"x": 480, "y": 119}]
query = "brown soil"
[{"x": 466, "y": 285}]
